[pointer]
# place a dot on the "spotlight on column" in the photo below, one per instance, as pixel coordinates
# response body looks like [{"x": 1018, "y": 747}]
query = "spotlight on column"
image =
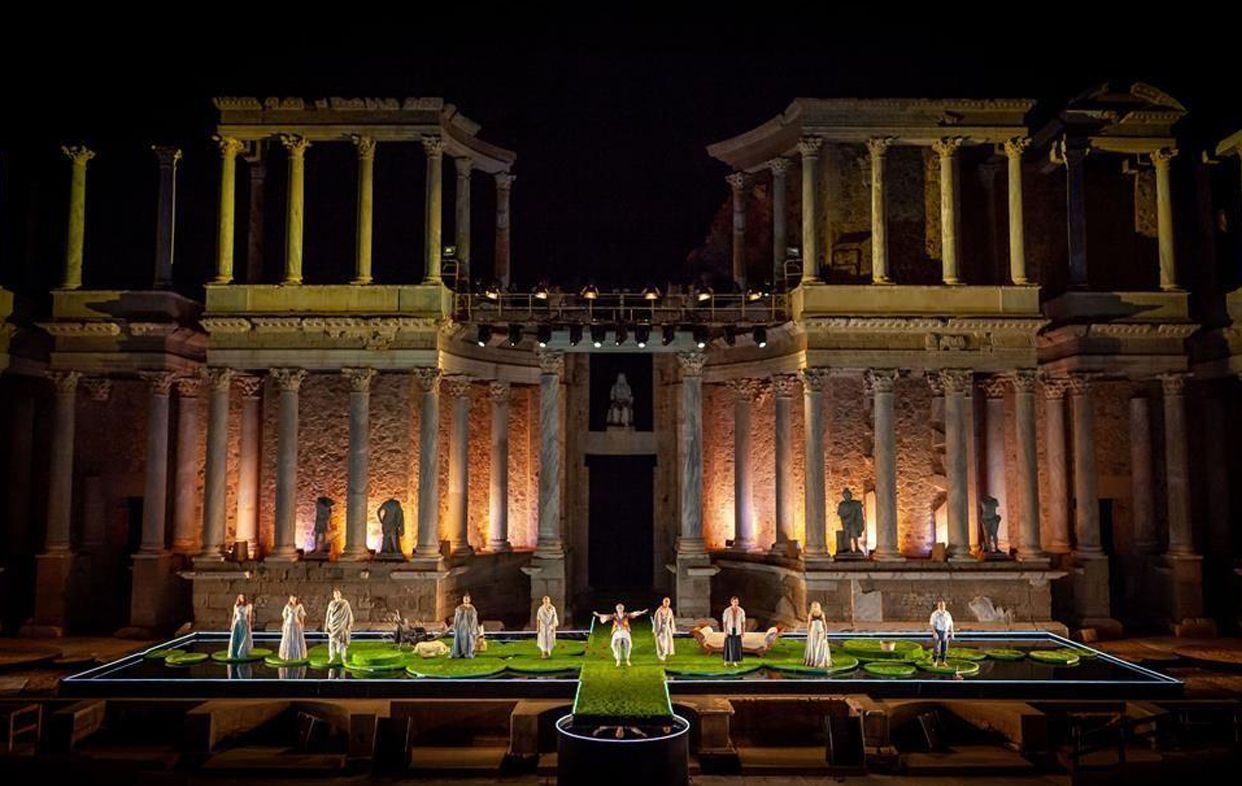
[
  {"x": 668, "y": 334},
  {"x": 575, "y": 334},
  {"x": 545, "y": 335},
  {"x": 730, "y": 335},
  {"x": 598, "y": 334},
  {"x": 515, "y": 334},
  {"x": 642, "y": 334},
  {"x": 484, "y": 335},
  {"x": 621, "y": 335},
  {"x": 701, "y": 337},
  {"x": 760, "y": 334},
  {"x": 590, "y": 292}
]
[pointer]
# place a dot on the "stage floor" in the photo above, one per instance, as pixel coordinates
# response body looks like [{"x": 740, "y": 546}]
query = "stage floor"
[{"x": 1097, "y": 675}]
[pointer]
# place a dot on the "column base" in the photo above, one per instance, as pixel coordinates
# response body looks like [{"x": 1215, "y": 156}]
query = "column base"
[
  {"x": 499, "y": 546},
  {"x": 691, "y": 547},
  {"x": 358, "y": 554},
  {"x": 887, "y": 556},
  {"x": 785, "y": 548},
  {"x": 361, "y": 282},
  {"x": 159, "y": 601},
  {"x": 58, "y": 585},
  {"x": 1179, "y": 588},
  {"x": 549, "y": 551},
  {"x": 1032, "y": 556},
  {"x": 547, "y": 577},
  {"x": 285, "y": 554},
  {"x": 744, "y": 546},
  {"x": 1092, "y": 607},
  {"x": 462, "y": 550}
]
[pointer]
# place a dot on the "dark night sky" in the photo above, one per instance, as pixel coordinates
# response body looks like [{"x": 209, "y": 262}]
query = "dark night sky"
[{"x": 609, "y": 128}]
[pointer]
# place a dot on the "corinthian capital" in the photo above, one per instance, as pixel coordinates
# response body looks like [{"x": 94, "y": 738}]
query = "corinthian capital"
[
  {"x": 219, "y": 378},
  {"x": 160, "y": 382},
  {"x": 166, "y": 156},
  {"x": 428, "y": 378},
  {"x": 465, "y": 165},
  {"x": 97, "y": 388},
  {"x": 815, "y": 380},
  {"x": 365, "y": 145},
  {"x": 499, "y": 391},
  {"x": 1174, "y": 384},
  {"x": 1080, "y": 382},
  {"x": 188, "y": 385},
  {"x": 248, "y": 385},
  {"x": 882, "y": 380},
  {"x": 1163, "y": 156},
  {"x": 779, "y": 166},
  {"x": 433, "y": 146},
  {"x": 295, "y": 144},
  {"x": 458, "y": 385},
  {"x": 1024, "y": 380},
  {"x": 504, "y": 180},
  {"x": 878, "y": 146},
  {"x": 229, "y": 146},
  {"x": 1054, "y": 387},
  {"x": 78, "y": 154},
  {"x": 1015, "y": 147},
  {"x": 947, "y": 147},
  {"x": 736, "y": 181},
  {"x": 785, "y": 385},
  {"x": 691, "y": 363},
  {"x": 550, "y": 362},
  {"x": 809, "y": 146},
  {"x": 995, "y": 386},
  {"x": 746, "y": 389},
  {"x": 289, "y": 379},
  {"x": 360, "y": 379}
]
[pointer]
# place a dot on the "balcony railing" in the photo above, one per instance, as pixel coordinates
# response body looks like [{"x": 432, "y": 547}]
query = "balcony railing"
[{"x": 681, "y": 308}]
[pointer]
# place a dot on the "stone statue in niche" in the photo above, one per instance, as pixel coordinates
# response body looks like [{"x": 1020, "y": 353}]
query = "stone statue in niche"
[
  {"x": 850, "y": 511},
  {"x": 621, "y": 405},
  {"x": 990, "y": 520},
  {"x": 392, "y": 527},
  {"x": 323, "y": 520}
]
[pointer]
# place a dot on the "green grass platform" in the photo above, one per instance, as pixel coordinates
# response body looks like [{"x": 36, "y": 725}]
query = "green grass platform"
[{"x": 256, "y": 654}]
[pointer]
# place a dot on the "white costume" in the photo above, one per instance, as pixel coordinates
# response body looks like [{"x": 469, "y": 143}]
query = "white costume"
[
  {"x": 546, "y": 623},
  {"x": 816, "y": 654},
  {"x": 621, "y": 642},
  {"x": 664, "y": 626},
  {"x": 734, "y": 621},
  {"x": 337, "y": 623},
  {"x": 292, "y": 633}
]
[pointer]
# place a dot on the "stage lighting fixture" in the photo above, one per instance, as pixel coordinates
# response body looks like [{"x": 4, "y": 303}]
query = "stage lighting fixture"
[
  {"x": 492, "y": 292},
  {"x": 484, "y": 335},
  {"x": 753, "y": 294},
  {"x": 761, "y": 336},
  {"x": 730, "y": 335},
  {"x": 545, "y": 335},
  {"x": 620, "y": 337},
  {"x": 704, "y": 294},
  {"x": 701, "y": 337},
  {"x": 575, "y": 334},
  {"x": 651, "y": 293},
  {"x": 541, "y": 291},
  {"x": 668, "y": 334},
  {"x": 590, "y": 292},
  {"x": 642, "y": 334},
  {"x": 598, "y": 334},
  {"x": 515, "y": 334}
]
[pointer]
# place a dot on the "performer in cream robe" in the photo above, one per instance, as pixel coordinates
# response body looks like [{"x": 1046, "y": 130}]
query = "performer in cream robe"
[
  {"x": 734, "y": 622},
  {"x": 664, "y": 626},
  {"x": 293, "y": 631},
  {"x": 466, "y": 629},
  {"x": 546, "y": 623},
  {"x": 816, "y": 654},
  {"x": 240, "y": 641},
  {"x": 621, "y": 642},
  {"x": 337, "y": 623}
]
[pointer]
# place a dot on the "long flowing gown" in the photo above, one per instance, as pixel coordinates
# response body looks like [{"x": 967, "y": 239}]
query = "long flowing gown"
[
  {"x": 664, "y": 626},
  {"x": 546, "y": 622},
  {"x": 816, "y": 654},
  {"x": 465, "y": 631},
  {"x": 734, "y": 621},
  {"x": 293, "y": 633},
  {"x": 240, "y": 641}
]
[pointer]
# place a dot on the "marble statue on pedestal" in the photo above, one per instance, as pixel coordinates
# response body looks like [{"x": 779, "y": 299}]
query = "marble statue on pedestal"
[
  {"x": 621, "y": 404},
  {"x": 338, "y": 623},
  {"x": 990, "y": 520},
  {"x": 323, "y": 519},
  {"x": 850, "y": 511},
  {"x": 392, "y": 526},
  {"x": 466, "y": 629}
]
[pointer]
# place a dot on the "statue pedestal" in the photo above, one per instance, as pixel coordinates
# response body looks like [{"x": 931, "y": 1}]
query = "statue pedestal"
[
  {"x": 58, "y": 591},
  {"x": 694, "y": 572},
  {"x": 159, "y": 602},
  {"x": 1091, "y": 595},
  {"x": 547, "y": 577},
  {"x": 1180, "y": 578}
]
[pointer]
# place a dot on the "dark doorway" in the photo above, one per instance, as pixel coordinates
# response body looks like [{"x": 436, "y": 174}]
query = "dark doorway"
[
  {"x": 620, "y": 525},
  {"x": 1116, "y": 570},
  {"x": 605, "y": 366}
]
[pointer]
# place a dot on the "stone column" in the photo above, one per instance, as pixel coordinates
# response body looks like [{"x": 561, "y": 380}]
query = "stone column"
[
  {"x": 21, "y": 455},
  {"x": 289, "y": 382},
  {"x": 737, "y": 184},
  {"x": 1030, "y": 546},
  {"x": 814, "y": 383},
  {"x": 229, "y": 148},
  {"x": 60, "y": 470},
  {"x": 1058, "y": 463},
  {"x": 884, "y": 454},
  {"x": 462, "y": 223},
  {"x": 780, "y": 235},
  {"x": 166, "y": 214},
  {"x": 690, "y": 450},
  {"x": 997, "y": 471},
  {"x": 295, "y": 212},
  {"x": 360, "y": 380},
  {"x": 809, "y": 148},
  {"x": 878, "y": 148},
  {"x": 251, "y": 389},
  {"x": 366, "y": 179},
  {"x": 498, "y": 498},
  {"x": 1074, "y": 155},
  {"x": 1086, "y": 497},
  {"x": 428, "y": 463},
  {"x": 551, "y": 367},
  {"x": 1216, "y": 457},
  {"x": 1017, "y": 240},
  {"x": 784, "y": 386},
  {"x": 215, "y": 477},
  {"x": 504, "y": 187},
  {"x": 955, "y": 382},
  {"x": 254, "y": 232},
  {"x": 1141, "y": 481},
  {"x": 76, "y": 238},
  {"x": 185, "y": 499},
  {"x": 744, "y": 393},
  {"x": 155, "y": 493},
  {"x": 1164, "y": 219},
  {"x": 433, "y": 146},
  {"x": 459, "y": 467},
  {"x": 947, "y": 149},
  {"x": 1177, "y": 465}
]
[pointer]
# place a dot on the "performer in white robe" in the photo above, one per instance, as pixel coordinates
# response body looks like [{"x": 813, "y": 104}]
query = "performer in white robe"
[
  {"x": 338, "y": 622},
  {"x": 240, "y": 641},
  {"x": 466, "y": 629},
  {"x": 293, "y": 631},
  {"x": 734, "y": 622},
  {"x": 664, "y": 626},
  {"x": 816, "y": 654},
  {"x": 546, "y": 623},
  {"x": 621, "y": 642}
]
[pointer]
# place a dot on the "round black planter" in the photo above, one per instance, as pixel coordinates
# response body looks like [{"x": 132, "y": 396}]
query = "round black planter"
[{"x": 662, "y": 757}]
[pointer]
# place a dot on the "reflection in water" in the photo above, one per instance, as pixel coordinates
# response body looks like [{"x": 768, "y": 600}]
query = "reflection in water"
[
  {"x": 291, "y": 672},
  {"x": 240, "y": 671}
]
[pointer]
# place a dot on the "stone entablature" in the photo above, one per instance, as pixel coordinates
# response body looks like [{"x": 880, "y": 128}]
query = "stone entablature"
[
  {"x": 832, "y": 300},
  {"x": 121, "y": 331},
  {"x": 412, "y": 300}
]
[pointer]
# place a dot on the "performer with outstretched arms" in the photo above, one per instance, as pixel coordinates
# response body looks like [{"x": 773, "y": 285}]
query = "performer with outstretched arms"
[{"x": 621, "y": 642}]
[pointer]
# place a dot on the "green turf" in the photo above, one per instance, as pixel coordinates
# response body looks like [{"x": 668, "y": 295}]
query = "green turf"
[
  {"x": 841, "y": 663},
  {"x": 1004, "y": 653},
  {"x": 552, "y": 665},
  {"x": 161, "y": 654},
  {"x": 277, "y": 663},
  {"x": 1081, "y": 653},
  {"x": 708, "y": 665},
  {"x": 182, "y": 658},
  {"x": 456, "y": 668},
  {"x": 963, "y": 668},
  {"x": 256, "y": 654},
  {"x": 625, "y": 694},
  {"x": 869, "y": 650},
  {"x": 966, "y": 653},
  {"x": 527, "y": 648},
  {"x": 1057, "y": 657},
  {"x": 889, "y": 670}
]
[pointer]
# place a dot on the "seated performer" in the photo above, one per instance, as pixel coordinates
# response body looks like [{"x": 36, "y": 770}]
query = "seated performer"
[
  {"x": 338, "y": 622},
  {"x": 734, "y": 622},
  {"x": 941, "y": 622},
  {"x": 466, "y": 629},
  {"x": 547, "y": 623},
  {"x": 664, "y": 626},
  {"x": 816, "y": 654},
  {"x": 292, "y": 631},
  {"x": 621, "y": 642},
  {"x": 240, "y": 641}
]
